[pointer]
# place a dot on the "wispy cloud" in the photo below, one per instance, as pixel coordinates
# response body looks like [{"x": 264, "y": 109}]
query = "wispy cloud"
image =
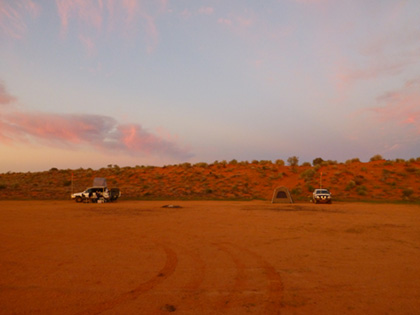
[
  {"x": 75, "y": 131},
  {"x": 237, "y": 22},
  {"x": 5, "y": 97},
  {"x": 386, "y": 51},
  {"x": 206, "y": 10},
  {"x": 13, "y": 16},
  {"x": 126, "y": 16},
  {"x": 400, "y": 106},
  {"x": 375, "y": 69}
]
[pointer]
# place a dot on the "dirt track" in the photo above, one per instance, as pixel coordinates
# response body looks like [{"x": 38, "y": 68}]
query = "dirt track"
[{"x": 132, "y": 257}]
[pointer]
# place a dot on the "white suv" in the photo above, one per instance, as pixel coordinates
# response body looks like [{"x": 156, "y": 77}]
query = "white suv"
[{"x": 321, "y": 195}]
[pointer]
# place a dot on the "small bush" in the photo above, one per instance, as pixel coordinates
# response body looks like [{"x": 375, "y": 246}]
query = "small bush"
[
  {"x": 317, "y": 161},
  {"x": 351, "y": 184},
  {"x": 308, "y": 175},
  {"x": 414, "y": 170},
  {"x": 386, "y": 174},
  {"x": 329, "y": 162},
  {"x": 407, "y": 192},
  {"x": 293, "y": 161},
  {"x": 354, "y": 160},
  {"x": 296, "y": 191},
  {"x": 359, "y": 179},
  {"x": 3, "y": 186},
  {"x": 310, "y": 188},
  {"x": 361, "y": 190},
  {"x": 376, "y": 157},
  {"x": 280, "y": 162}
]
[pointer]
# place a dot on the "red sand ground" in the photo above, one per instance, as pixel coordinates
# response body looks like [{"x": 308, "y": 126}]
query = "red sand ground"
[{"x": 132, "y": 257}]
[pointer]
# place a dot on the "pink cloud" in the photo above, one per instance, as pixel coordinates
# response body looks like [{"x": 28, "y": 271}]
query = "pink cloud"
[
  {"x": 382, "y": 55},
  {"x": 75, "y": 131},
  {"x": 377, "y": 68},
  {"x": 401, "y": 107},
  {"x": 13, "y": 15},
  {"x": 86, "y": 11},
  {"x": 5, "y": 97},
  {"x": 115, "y": 15},
  {"x": 78, "y": 131},
  {"x": 89, "y": 44},
  {"x": 238, "y": 22},
  {"x": 206, "y": 10},
  {"x": 241, "y": 25},
  {"x": 225, "y": 21}
]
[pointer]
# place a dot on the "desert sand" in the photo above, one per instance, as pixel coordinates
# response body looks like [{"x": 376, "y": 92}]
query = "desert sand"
[{"x": 209, "y": 257}]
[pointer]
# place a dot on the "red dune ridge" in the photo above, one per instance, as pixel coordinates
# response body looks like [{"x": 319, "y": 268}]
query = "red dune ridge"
[{"x": 352, "y": 180}]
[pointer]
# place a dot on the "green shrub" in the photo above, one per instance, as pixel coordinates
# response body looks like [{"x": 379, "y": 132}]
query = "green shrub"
[
  {"x": 359, "y": 179},
  {"x": 317, "y": 161},
  {"x": 280, "y": 162},
  {"x": 386, "y": 174},
  {"x": 412, "y": 169},
  {"x": 354, "y": 160},
  {"x": 296, "y": 191},
  {"x": 376, "y": 157},
  {"x": 308, "y": 174},
  {"x": 329, "y": 162},
  {"x": 361, "y": 190},
  {"x": 293, "y": 161},
  {"x": 350, "y": 185},
  {"x": 310, "y": 188},
  {"x": 407, "y": 192},
  {"x": 201, "y": 164}
]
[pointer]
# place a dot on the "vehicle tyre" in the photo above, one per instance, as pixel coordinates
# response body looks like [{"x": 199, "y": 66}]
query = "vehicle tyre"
[{"x": 78, "y": 199}]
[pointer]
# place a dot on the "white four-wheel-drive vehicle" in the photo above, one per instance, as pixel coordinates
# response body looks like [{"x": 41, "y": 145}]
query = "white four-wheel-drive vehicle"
[
  {"x": 97, "y": 194},
  {"x": 321, "y": 195}
]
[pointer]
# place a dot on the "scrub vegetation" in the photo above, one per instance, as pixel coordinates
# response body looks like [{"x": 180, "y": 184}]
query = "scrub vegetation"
[{"x": 378, "y": 179}]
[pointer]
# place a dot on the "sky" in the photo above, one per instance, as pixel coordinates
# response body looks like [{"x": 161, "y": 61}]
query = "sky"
[{"x": 89, "y": 83}]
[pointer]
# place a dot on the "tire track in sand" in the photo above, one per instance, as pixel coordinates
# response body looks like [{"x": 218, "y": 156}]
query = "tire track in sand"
[
  {"x": 167, "y": 270},
  {"x": 246, "y": 263}
]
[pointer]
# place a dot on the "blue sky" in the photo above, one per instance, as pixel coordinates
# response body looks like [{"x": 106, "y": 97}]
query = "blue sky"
[{"x": 92, "y": 83}]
